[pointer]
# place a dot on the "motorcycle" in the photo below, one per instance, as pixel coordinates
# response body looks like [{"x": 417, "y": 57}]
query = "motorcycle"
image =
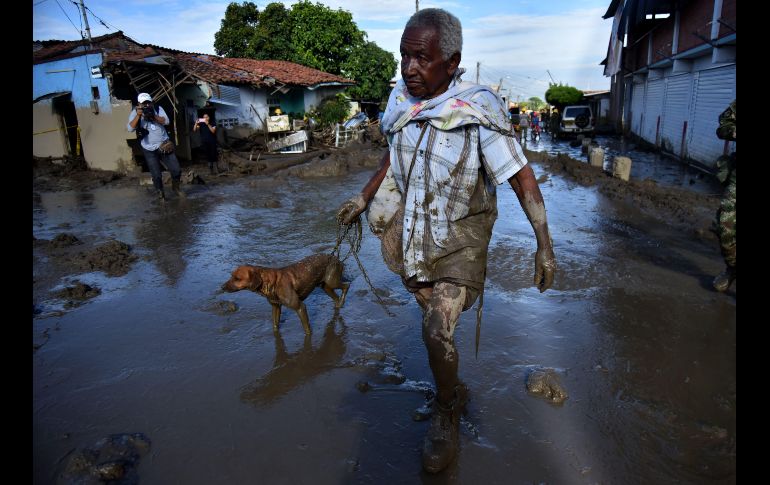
[{"x": 535, "y": 132}]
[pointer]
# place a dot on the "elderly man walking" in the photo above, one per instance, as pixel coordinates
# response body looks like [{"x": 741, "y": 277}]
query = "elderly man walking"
[{"x": 450, "y": 145}]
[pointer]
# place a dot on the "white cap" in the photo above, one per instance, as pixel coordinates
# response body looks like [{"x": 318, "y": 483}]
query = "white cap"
[{"x": 144, "y": 97}]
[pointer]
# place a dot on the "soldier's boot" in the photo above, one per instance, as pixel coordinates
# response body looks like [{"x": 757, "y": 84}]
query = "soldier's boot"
[
  {"x": 443, "y": 438},
  {"x": 723, "y": 281},
  {"x": 175, "y": 186}
]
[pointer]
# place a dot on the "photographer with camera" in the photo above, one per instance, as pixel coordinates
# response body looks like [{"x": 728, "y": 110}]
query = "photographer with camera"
[
  {"x": 208, "y": 134},
  {"x": 149, "y": 123}
]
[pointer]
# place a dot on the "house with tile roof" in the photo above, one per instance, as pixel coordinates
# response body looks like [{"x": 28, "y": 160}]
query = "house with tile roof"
[{"x": 83, "y": 94}]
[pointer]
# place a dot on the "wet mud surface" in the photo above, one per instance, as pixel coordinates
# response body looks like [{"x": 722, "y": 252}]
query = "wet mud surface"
[{"x": 643, "y": 346}]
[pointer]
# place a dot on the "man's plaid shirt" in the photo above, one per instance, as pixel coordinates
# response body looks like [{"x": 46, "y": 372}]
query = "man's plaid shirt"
[{"x": 444, "y": 176}]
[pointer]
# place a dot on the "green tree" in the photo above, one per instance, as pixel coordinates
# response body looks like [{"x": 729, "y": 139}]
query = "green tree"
[
  {"x": 372, "y": 67},
  {"x": 272, "y": 36},
  {"x": 310, "y": 34},
  {"x": 561, "y": 96},
  {"x": 236, "y": 30},
  {"x": 536, "y": 103},
  {"x": 323, "y": 38},
  {"x": 332, "y": 110}
]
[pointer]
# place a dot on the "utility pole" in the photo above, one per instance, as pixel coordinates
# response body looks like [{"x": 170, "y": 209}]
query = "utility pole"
[
  {"x": 416, "y": 6},
  {"x": 500, "y": 85},
  {"x": 478, "y": 65},
  {"x": 85, "y": 20}
]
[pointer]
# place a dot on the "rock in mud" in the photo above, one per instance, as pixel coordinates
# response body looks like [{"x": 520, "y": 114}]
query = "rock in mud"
[
  {"x": 545, "y": 383},
  {"x": 77, "y": 293},
  {"x": 223, "y": 307},
  {"x": 110, "y": 460}
]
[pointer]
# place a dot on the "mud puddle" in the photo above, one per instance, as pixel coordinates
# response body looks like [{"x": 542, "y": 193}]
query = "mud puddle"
[{"x": 644, "y": 347}]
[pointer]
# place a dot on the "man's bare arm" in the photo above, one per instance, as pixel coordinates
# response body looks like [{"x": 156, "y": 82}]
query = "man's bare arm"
[{"x": 528, "y": 192}]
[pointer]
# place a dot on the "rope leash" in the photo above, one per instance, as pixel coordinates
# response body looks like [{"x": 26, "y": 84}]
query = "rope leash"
[{"x": 343, "y": 232}]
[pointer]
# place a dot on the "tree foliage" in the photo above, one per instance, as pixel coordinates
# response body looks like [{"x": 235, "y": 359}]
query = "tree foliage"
[
  {"x": 236, "y": 30},
  {"x": 272, "y": 37},
  {"x": 561, "y": 96},
  {"x": 536, "y": 103},
  {"x": 323, "y": 38},
  {"x": 372, "y": 67},
  {"x": 332, "y": 110},
  {"x": 310, "y": 34}
]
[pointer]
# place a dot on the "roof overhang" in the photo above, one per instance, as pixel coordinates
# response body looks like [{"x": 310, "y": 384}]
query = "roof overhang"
[
  {"x": 51, "y": 96},
  {"x": 323, "y": 85}
]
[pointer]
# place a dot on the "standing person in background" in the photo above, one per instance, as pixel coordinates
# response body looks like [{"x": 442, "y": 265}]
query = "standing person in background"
[
  {"x": 150, "y": 122},
  {"x": 726, "y": 168},
  {"x": 208, "y": 134},
  {"x": 524, "y": 124}
]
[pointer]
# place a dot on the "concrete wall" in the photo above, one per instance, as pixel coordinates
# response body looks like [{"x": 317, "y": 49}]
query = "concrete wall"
[
  {"x": 103, "y": 137},
  {"x": 257, "y": 99},
  {"x": 44, "y": 119}
]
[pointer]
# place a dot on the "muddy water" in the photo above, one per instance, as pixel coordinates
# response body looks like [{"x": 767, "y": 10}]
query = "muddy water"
[
  {"x": 644, "y": 348},
  {"x": 645, "y": 164}
]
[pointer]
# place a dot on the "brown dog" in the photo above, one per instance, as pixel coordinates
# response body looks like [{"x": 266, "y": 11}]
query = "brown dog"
[{"x": 290, "y": 285}]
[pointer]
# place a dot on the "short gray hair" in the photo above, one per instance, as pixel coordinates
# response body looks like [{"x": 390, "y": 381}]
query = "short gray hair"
[{"x": 448, "y": 28}]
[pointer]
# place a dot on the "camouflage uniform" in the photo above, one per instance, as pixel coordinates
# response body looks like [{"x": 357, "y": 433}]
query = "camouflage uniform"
[
  {"x": 554, "y": 123},
  {"x": 726, "y": 168}
]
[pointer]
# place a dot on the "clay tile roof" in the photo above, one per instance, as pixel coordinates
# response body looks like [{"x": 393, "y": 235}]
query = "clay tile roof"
[
  {"x": 209, "y": 69},
  {"x": 284, "y": 71}
]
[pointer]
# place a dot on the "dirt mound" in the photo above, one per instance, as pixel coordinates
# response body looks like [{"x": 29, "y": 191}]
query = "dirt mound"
[
  {"x": 688, "y": 210},
  {"x": 113, "y": 257},
  {"x": 63, "y": 240},
  {"x": 79, "y": 291}
]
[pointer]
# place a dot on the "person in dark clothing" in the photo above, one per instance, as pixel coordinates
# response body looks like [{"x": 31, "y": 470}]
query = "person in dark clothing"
[{"x": 208, "y": 133}]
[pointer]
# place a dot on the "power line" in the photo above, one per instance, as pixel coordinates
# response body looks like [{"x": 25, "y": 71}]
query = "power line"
[
  {"x": 103, "y": 22},
  {"x": 68, "y": 18}
]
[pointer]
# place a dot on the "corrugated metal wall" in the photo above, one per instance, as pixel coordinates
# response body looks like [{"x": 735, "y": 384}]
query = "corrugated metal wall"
[
  {"x": 653, "y": 108},
  {"x": 715, "y": 89},
  {"x": 637, "y": 107},
  {"x": 697, "y": 98},
  {"x": 676, "y": 111}
]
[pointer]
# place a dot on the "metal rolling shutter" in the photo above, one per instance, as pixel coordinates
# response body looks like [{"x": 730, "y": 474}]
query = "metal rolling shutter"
[
  {"x": 714, "y": 91},
  {"x": 676, "y": 110},
  {"x": 653, "y": 107},
  {"x": 637, "y": 106}
]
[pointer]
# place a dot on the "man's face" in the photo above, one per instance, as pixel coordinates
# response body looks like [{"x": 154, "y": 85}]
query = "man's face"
[{"x": 425, "y": 73}]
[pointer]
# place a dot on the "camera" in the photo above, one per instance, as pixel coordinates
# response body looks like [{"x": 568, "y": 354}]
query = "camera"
[
  {"x": 148, "y": 111},
  {"x": 201, "y": 120}
]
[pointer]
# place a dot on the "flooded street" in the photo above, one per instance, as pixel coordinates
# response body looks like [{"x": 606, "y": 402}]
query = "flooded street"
[{"x": 643, "y": 345}]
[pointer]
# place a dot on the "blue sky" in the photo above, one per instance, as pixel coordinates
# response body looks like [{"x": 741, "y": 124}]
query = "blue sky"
[{"x": 518, "y": 41}]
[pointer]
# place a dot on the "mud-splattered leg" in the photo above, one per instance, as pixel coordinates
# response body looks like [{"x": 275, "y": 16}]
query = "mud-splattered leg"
[
  {"x": 442, "y": 309},
  {"x": 441, "y": 314}
]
